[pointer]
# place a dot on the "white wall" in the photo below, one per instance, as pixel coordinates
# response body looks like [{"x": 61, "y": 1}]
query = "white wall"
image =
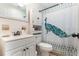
[{"x": 13, "y": 25}]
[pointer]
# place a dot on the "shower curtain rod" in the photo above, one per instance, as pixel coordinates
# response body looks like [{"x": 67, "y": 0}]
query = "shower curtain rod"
[{"x": 50, "y": 7}]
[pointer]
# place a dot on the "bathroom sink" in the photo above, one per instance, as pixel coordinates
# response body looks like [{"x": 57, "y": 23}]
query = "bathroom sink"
[{"x": 11, "y": 38}]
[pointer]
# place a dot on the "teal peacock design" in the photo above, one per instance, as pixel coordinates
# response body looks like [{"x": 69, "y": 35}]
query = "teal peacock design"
[{"x": 57, "y": 31}]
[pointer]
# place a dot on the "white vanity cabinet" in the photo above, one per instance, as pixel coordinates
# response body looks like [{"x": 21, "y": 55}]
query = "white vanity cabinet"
[
  {"x": 23, "y": 51},
  {"x": 20, "y": 47}
]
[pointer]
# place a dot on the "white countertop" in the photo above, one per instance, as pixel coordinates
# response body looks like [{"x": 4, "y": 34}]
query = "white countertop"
[{"x": 11, "y": 38}]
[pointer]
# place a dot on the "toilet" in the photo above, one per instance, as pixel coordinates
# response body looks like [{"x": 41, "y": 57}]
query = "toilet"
[{"x": 44, "y": 48}]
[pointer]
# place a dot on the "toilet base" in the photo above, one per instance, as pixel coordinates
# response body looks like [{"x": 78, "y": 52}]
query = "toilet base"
[{"x": 44, "y": 53}]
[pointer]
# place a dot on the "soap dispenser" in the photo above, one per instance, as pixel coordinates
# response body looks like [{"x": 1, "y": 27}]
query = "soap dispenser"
[{"x": 23, "y": 30}]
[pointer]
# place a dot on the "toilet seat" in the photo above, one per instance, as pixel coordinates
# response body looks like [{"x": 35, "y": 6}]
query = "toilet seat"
[{"x": 45, "y": 46}]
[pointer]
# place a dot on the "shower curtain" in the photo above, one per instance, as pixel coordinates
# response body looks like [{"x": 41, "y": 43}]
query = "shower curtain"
[{"x": 67, "y": 19}]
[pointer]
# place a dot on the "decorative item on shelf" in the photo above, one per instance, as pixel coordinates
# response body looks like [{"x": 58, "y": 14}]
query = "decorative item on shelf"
[
  {"x": 5, "y": 27},
  {"x": 23, "y": 28},
  {"x": 37, "y": 27}
]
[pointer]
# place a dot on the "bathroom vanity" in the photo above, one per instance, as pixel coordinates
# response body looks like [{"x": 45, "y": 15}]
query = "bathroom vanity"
[{"x": 22, "y": 45}]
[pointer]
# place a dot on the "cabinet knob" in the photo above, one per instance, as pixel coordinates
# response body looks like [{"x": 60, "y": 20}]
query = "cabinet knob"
[
  {"x": 24, "y": 49},
  {"x": 27, "y": 48}
]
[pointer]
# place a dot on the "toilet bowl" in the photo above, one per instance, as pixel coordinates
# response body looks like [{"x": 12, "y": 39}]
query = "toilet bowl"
[{"x": 44, "y": 48}]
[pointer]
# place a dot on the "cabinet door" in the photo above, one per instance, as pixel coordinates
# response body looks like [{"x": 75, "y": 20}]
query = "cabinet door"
[
  {"x": 27, "y": 52},
  {"x": 14, "y": 52},
  {"x": 32, "y": 50},
  {"x": 18, "y": 53}
]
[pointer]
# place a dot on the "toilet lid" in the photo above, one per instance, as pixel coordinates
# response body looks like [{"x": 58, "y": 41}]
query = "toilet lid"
[{"x": 46, "y": 45}]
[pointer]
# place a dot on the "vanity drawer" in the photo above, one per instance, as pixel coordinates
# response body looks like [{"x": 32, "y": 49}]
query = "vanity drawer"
[
  {"x": 14, "y": 44},
  {"x": 14, "y": 52},
  {"x": 30, "y": 40},
  {"x": 17, "y": 43}
]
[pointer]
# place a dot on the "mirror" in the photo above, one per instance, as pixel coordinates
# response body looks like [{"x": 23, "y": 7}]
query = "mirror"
[{"x": 13, "y": 11}]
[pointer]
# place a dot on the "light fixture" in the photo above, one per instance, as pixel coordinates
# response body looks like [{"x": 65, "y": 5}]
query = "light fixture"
[{"x": 22, "y": 4}]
